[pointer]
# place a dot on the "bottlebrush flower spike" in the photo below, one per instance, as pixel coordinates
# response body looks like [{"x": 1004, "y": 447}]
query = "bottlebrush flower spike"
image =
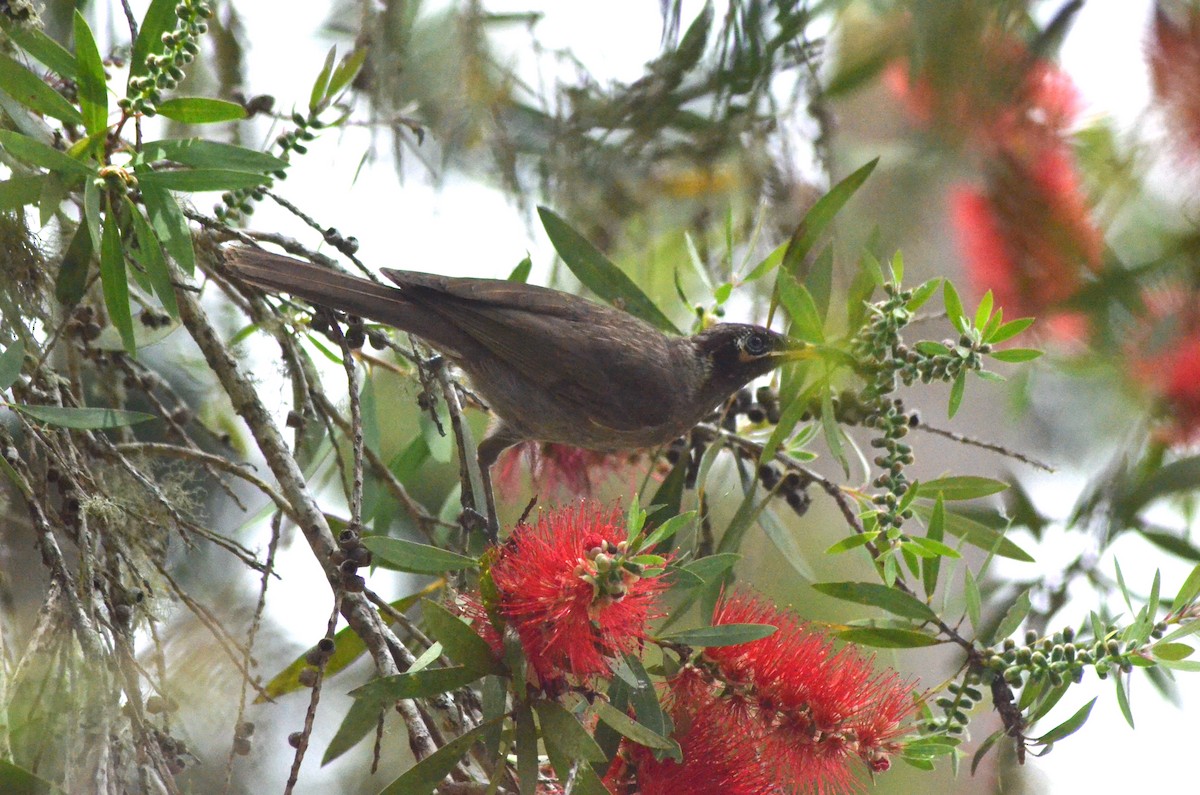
[
  {"x": 1173, "y": 53},
  {"x": 564, "y": 585},
  {"x": 820, "y": 707},
  {"x": 556, "y": 468}
]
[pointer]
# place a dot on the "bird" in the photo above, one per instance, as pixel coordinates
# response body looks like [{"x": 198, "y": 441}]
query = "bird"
[{"x": 551, "y": 366}]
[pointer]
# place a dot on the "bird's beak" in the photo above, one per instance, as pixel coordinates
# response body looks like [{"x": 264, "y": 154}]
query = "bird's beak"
[{"x": 795, "y": 351}]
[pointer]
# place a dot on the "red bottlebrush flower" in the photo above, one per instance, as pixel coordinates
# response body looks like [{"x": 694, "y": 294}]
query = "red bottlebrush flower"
[
  {"x": 1173, "y": 53},
  {"x": 562, "y": 586},
  {"x": 1028, "y": 237},
  {"x": 820, "y": 706},
  {"x": 557, "y": 468},
  {"x": 1174, "y": 376}
]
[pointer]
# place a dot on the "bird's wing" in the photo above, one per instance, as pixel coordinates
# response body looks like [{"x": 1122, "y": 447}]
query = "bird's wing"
[
  {"x": 605, "y": 376},
  {"x": 500, "y": 293}
]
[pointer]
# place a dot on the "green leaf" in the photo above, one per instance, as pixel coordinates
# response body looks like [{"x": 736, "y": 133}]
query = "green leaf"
[
  {"x": 116, "y": 281},
  {"x": 317, "y": 97},
  {"x": 954, "y": 307},
  {"x": 785, "y": 541},
  {"x": 984, "y": 747},
  {"x": 17, "y": 192},
  {"x": 1171, "y": 651},
  {"x": 93, "y": 89},
  {"x": 931, "y": 348},
  {"x": 972, "y": 597},
  {"x": 415, "y": 684},
  {"x": 521, "y": 272},
  {"x": 201, "y": 179},
  {"x": 599, "y": 274},
  {"x": 71, "y": 282},
  {"x": 423, "y": 777},
  {"x": 170, "y": 225},
  {"x": 712, "y": 567},
  {"x": 40, "y": 46},
  {"x": 10, "y": 364},
  {"x": 1013, "y": 617},
  {"x": 1069, "y": 726},
  {"x": 1009, "y": 330},
  {"x": 461, "y": 642},
  {"x": 527, "y": 748},
  {"x": 721, "y": 635},
  {"x": 15, "y": 780},
  {"x": 816, "y": 219},
  {"x": 159, "y": 19},
  {"x": 628, "y": 727},
  {"x": 977, "y": 534},
  {"x": 211, "y": 154},
  {"x": 788, "y": 419},
  {"x": 956, "y": 393},
  {"x": 345, "y": 71},
  {"x": 935, "y": 532},
  {"x": 152, "y": 259},
  {"x": 200, "y": 110},
  {"x": 1181, "y": 475},
  {"x": 800, "y": 306},
  {"x": 1172, "y": 543},
  {"x": 1189, "y": 590},
  {"x": 569, "y": 736},
  {"x": 85, "y": 419},
  {"x": 37, "y": 153},
  {"x": 401, "y": 555},
  {"x": 984, "y": 310},
  {"x": 1016, "y": 354},
  {"x": 1123, "y": 700},
  {"x": 961, "y": 487},
  {"x": 831, "y": 429},
  {"x": 876, "y": 595},
  {"x": 888, "y": 637},
  {"x": 852, "y": 542},
  {"x": 32, "y": 92},
  {"x": 357, "y": 723},
  {"x": 923, "y": 294},
  {"x": 666, "y": 530}
]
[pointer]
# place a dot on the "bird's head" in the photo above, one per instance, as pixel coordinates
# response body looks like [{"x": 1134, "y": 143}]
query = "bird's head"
[{"x": 735, "y": 354}]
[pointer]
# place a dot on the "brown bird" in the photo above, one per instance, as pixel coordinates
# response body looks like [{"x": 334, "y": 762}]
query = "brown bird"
[{"x": 552, "y": 366}]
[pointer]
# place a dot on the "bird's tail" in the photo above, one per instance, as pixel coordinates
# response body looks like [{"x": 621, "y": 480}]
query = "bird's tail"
[{"x": 280, "y": 274}]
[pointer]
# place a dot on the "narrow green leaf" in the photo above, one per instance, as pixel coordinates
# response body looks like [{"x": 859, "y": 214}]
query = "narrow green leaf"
[
  {"x": 1121, "y": 585},
  {"x": 10, "y": 364},
  {"x": 852, "y": 542},
  {"x": 1181, "y": 475},
  {"x": 954, "y": 307},
  {"x": 423, "y": 777},
  {"x": 667, "y": 529},
  {"x": 1013, "y": 617},
  {"x": 91, "y": 211},
  {"x": 93, "y": 89},
  {"x": 1188, "y": 591},
  {"x": 37, "y": 153},
  {"x": 115, "y": 281},
  {"x": 888, "y": 637},
  {"x": 73, "y": 271},
  {"x": 984, "y": 311},
  {"x": 832, "y": 431},
  {"x": 152, "y": 259},
  {"x": 170, "y": 226},
  {"x": 721, "y": 635},
  {"x": 415, "y": 684},
  {"x": 876, "y": 595},
  {"x": 977, "y": 534},
  {"x": 788, "y": 419},
  {"x": 317, "y": 97},
  {"x": 956, "y": 393},
  {"x": 360, "y": 720},
  {"x": 599, "y": 274},
  {"x": 712, "y": 567},
  {"x": 767, "y": 264},
  {"x": 1123, "y": 700},
  {"x": 628, "y": 727},
  {"x": 462, "y": 643},
  {"x": 571, "y": 739},
  {"x": 33, "y": 41},
  {"x": 961, "y": 487},
  {"x": 401, "y": 555},
  {"x": 349, "y": 66},
  {"x": 16, "y": 780},
  {"x": 935, "y": 531},
  {"x": 211, "y": 154},
  {"x": 32, "y": 92},
  {"x": 972, "y": 597},
  {"x": 1015, "y": 355},
  {"x": 86, "y": 419},
  {"x": 201, "y": 179},
  {"x": 17, "y": 192},
  {"x": 1069, "y": 726},
  {"x": 527, "y": 748},
  {"x": 1171, "y": 651},
  {"x": 1172, "y": 543},
  {"x": 160, "y": 18},
  {"x": 931, "y": 348},
  {"x": 800, "y": 306},
  {"x": 984, "y": 747},
  {"x": 923, "y": 294},
  {"x": 1009, "y": 330},
  {"x": 521, "y": 272},
  {"x": 785, "y": 541},
  {"x": 200, "y": 110},
  {"x": 817, "y": 219}
]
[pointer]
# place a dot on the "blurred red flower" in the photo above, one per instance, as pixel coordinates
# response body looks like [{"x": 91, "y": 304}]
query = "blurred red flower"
[
  {"x": 557, "y": 468},
  {"x": 564, "y": 587},
  {"x": 1173, "y": 53}
]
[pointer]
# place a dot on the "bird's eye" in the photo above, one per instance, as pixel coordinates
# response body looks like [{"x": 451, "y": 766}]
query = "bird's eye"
[{"x": 755, "y": 344}]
